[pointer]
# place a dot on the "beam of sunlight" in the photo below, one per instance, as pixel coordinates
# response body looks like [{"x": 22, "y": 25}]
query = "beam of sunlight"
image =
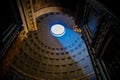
[{"x": 73, "y": 43}]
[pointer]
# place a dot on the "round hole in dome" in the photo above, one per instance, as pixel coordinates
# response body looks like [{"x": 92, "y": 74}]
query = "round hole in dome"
[{"x": 57, "y": 30}]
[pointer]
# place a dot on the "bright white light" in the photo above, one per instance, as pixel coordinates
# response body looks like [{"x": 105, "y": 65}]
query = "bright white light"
[{"x": 57, "y": 30}]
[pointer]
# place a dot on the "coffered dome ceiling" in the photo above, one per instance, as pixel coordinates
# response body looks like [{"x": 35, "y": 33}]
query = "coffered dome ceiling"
[{"x": 44, "y": 56}]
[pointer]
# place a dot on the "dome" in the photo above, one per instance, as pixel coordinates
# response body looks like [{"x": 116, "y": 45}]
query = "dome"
[{"x": 55, "y": 55}]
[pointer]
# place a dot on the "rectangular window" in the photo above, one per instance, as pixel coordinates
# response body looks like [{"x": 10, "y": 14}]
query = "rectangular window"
[{"x": 92, "y": 23}]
